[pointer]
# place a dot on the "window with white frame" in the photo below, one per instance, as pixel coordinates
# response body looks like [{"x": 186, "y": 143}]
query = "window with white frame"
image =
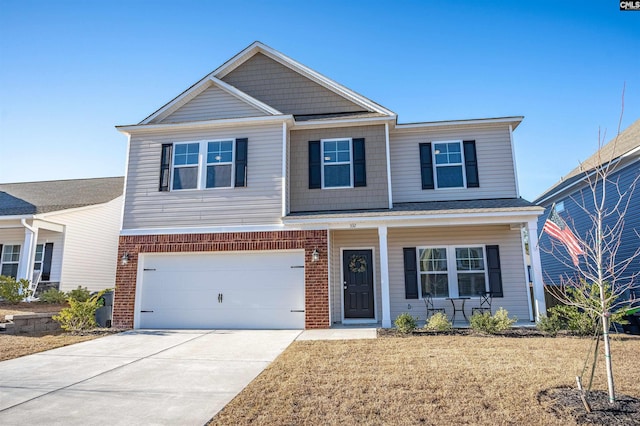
[
  {"x": 9, "y": 260},
  {"x": 214, "y": 169},
  {"x": 337, "y": 163},
  {"x": 219, "y": 164},
  {"x": 448, "y": 160},
  {"x": 186, "y": 165},
  {"x": 37, "y": 260},
  {"x": 452, "y": 271}
]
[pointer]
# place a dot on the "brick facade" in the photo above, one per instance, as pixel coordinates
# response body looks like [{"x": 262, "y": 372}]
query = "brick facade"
[{"x": 316, "y": 273}]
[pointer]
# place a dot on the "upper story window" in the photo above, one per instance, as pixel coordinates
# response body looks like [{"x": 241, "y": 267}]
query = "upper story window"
[
  {"x": 337, "y": 163},
  {"x": 9, "y": 260},
  {"x": 448, "y": 161},
  {"x": 204, "y": 164},
  {"x": 449, "y": 164}
]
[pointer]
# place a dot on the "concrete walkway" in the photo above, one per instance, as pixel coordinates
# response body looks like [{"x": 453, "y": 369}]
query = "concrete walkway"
[{"x": 163, "y": 377}]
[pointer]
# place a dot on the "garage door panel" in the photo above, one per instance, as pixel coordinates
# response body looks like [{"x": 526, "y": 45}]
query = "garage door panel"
[{"x": 257, "y": 290}]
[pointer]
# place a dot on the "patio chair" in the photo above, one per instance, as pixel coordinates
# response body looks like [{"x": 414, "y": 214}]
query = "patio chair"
[
  {"x": 485, "y": 303},
  {"x": 428, "y": 301}
]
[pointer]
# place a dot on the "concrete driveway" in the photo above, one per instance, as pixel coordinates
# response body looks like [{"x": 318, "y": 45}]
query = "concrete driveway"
[{"x": 150, "y": 377}]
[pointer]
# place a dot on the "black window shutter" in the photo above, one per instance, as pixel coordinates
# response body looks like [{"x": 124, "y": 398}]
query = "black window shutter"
[
  {"x": 410, "y": 273},
  {"x": 315, "y": 165},
  {"x": 359, "y": 163},
  {"x": 165, "y": 166},
  {"x": 241, "y": 162},
  {"x": 495, "y": 275},
  {"x": 426, "y": 166},
  {"x": 46, "y": 262},
  {"x": 471, "y": 164}
]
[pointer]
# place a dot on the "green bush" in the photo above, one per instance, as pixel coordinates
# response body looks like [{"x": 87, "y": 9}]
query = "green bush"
[
  {"x": 549, "y": 325},
  {"x": 80, "y": 315},
  {"x": 438, "y": 322},
  {"x": 405, "y": 323},
  {"x": 13, "y": 291},
  {"x": 79, "y": 294},
  {"x": 53, "y": 295},
  {"x": 492, "y": 324}
]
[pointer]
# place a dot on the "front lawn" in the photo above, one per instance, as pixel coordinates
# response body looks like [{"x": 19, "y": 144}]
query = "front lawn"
[{"x": 429, "y": 380}]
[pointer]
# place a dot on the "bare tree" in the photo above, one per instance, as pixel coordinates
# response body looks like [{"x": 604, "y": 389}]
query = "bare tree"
[{"x": 598, "y": 261}]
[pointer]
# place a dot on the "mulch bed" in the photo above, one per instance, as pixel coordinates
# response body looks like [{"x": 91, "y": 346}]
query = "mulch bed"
[
  {"x": 513, "y": 332},
  {"x": 565, "y": 403}
]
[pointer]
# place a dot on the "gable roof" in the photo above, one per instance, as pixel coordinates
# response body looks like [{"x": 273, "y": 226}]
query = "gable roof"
[
  {"x": 28, "y": 198},
  {"x": 246, "y": 54},
  {"x": 197, "y": 89},
  {"x": 623, "y": 144}
]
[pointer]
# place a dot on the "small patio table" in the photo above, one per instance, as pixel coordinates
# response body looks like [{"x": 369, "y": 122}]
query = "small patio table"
[{"x": 457, "y": 309}]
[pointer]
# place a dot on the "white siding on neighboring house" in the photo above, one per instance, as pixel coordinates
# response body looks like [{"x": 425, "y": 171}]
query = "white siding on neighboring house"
[
  {"x": 364, "y": 238},
  {"x": 495, "y": 163},
  {"x": 90, "y": 245},
  {"x": 213, "y": 103},
  {"x": 514, "y": 283},
  {"x": 259, "y": 203}
]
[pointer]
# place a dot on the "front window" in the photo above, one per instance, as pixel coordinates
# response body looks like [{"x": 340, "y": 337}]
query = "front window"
[
  {"x": 37, "y": 261},
  {"x": 448, "y": 162},
  {"x": 219, "y": 164},
  {"x": 433, "y": 272},
  {"x": 452, "y": 271},
  {"x": 471, "y": 271},
  {"x": 337, "y": 163},
  {"x": 185, "y": 165},
  {"x": 9, "y": 260}
]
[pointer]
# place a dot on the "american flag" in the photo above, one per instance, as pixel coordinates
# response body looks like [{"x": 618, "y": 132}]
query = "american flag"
[{"x": 556, "y": 227}]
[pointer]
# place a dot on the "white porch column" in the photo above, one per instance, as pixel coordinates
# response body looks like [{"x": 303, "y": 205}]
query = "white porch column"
[
  {"x": 384, "y": 276},
  {"x": 27, "y": 252},
  {"x": 536, "y": 270}
]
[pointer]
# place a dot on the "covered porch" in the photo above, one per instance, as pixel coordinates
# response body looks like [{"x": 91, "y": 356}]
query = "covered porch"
[{"x": 383, "y": 263}]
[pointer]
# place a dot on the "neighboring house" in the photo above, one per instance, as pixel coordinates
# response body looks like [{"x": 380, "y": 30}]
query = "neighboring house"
[
  {"x": 572, "y": 192},
  {"x": 269, "y": 196},
  {"x": 62, "y": 233}
]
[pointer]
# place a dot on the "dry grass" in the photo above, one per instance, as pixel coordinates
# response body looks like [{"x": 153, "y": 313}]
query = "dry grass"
[
  {"x": 429, "y": 380},
  {"x": 21, "y": 345}
]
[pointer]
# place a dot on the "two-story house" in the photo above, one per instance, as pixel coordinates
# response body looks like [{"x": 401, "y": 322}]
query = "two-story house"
[{"x": 269, "y": 196}]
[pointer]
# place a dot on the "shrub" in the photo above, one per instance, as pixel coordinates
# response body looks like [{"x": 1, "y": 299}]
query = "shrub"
[
  {"x": 80, "y": 315},
  {"x": 487, "y": 323},
  {"x": 13, "y": 291},
  {"x": 79, "y": 294},
  {"x": 549, "y": 325},
  {"x": 53, "y": 295},
  {"x": 438, "y": 322},
  {"x": 405, "y": 323}
]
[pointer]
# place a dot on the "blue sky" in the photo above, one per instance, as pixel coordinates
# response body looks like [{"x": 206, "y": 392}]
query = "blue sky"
[{"x": 72, "y": 70}]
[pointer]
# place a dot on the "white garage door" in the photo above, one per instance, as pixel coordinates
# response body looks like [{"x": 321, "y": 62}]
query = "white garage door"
[{"x": 222, "y": 290}]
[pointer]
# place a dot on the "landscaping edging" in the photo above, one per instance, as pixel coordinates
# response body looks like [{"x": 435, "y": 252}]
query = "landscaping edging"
[{"x": 29, "y": 323}]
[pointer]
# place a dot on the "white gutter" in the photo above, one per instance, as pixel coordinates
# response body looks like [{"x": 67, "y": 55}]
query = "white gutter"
[
  {"x": 227, "y": 122},
  {"x": 24, "y": 223},
  {"x": 388, "y": 153},
  {"x": 342, "y": 122},
  {"x": 516, "y": 119}
]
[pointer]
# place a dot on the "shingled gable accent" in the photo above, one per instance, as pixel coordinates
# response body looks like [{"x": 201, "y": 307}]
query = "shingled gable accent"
[
  {"x": 202, "y": 100},
  {"x": 357, "y": 101}
]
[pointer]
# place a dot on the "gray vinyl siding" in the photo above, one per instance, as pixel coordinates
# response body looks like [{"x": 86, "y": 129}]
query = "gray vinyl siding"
[
  {"x": 514, "y": 281},
  {"x": 286, "y": 90},
  {"x": 496, "y": 167},
  {"x": 364, "y": 238},
  {"x": 258, "y": 203},
  {"x": 213, "y": 103},
  {"x": 372, "y": 196}
]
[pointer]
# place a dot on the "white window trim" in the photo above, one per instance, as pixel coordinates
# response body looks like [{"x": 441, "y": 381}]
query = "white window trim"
[
  {"x": 202, "y": 164},
  {"x": 35, "y": 257},
  {"x": 322, "y": 141},
  {"x": 435, "y": 166},
  {"x": 4, "y": 248},
  {"x": 452, "y": 268}
]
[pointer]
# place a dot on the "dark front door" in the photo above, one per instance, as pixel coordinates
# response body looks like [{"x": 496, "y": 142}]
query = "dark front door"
[{"x": 358, "y": 284}]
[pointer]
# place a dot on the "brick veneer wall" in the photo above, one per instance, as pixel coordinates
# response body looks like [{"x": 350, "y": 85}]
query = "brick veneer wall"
[{"x": 316, "y": 273}]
